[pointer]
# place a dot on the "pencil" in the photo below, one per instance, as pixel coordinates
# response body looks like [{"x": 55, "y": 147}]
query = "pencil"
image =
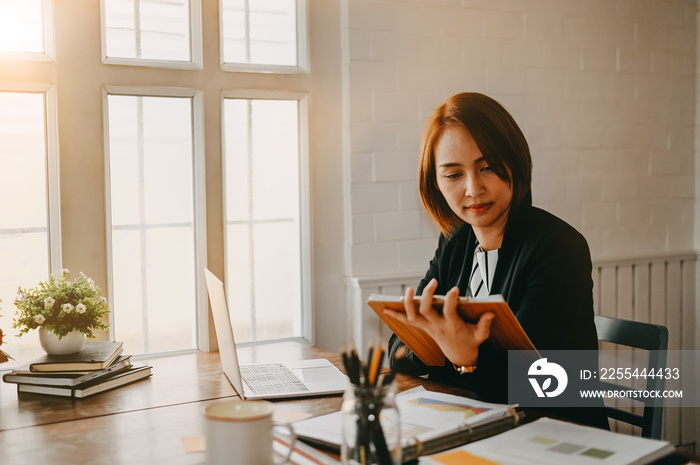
[{"x": 374, "y": 365}]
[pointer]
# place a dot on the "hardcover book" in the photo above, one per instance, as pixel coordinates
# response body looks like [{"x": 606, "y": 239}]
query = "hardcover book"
[
  {"x": 506, "y": 332},
  {"x": 89, "y": 388},
  {"x": 96, "y": 355},
  {"x": 22, "y": 375}
]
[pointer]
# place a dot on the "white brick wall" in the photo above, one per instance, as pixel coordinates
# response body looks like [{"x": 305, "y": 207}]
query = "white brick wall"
[{"x": 603, "y": 89}]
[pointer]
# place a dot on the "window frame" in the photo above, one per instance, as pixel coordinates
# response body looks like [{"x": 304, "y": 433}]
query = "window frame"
[
  {"x": 196, "y": 50},
  {"x": 53, "y": 188},
  {"x": 49, "y": 53},
  {"x": 51, "y": 179},
  {"x": 199, "y": 199},
  {"x": 305, "y": 222},
  {"x": 302, "y": 66}
]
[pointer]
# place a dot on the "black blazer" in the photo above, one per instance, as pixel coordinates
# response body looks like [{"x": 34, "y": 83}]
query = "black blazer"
[{"x": 544, "y": 273}]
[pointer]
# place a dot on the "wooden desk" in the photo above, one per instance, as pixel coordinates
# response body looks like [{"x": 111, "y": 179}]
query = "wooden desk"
[{"x": 143, "y": 423}]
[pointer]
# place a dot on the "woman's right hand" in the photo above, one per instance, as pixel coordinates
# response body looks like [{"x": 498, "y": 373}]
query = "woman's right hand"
[{"x": 458, "y": 339}]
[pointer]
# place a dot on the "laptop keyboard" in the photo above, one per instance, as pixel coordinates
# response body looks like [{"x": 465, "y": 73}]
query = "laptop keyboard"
[{"x": 271, "y": 378}]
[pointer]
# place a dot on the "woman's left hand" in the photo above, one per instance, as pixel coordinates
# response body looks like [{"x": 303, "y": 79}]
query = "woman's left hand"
[{"x": 458, "y": 339}]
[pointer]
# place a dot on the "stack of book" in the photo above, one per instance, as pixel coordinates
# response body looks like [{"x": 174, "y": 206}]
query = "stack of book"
[{"x": 97, "y": 368}]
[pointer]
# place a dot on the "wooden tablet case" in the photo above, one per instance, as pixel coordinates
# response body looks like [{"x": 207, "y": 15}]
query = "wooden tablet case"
[{"x": 506, "y": 332}]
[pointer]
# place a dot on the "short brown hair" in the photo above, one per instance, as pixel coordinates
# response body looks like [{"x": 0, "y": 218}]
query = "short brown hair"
[{"x": 500, "y": 140}]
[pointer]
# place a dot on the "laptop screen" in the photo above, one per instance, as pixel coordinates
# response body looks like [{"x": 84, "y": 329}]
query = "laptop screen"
[{"x": 224, "y": 331}]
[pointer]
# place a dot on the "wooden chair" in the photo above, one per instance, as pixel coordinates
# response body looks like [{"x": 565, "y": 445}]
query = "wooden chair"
[{"x": 645, "y": 336}]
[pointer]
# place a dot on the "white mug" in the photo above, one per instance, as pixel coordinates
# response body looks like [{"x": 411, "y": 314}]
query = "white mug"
[{"x": 240, "y": 432}]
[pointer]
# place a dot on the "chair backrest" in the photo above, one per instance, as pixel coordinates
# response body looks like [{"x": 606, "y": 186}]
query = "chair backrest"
[{"x": 645, "y": 336}]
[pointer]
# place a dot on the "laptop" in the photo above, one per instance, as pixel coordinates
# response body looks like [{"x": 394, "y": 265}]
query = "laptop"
[{"x": 304, "y": 378}]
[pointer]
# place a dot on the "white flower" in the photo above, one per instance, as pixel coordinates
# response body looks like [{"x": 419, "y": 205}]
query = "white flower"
[
  {"x": 91, "y": 282},
  {"x": 65, "y": 271},
  {"x": 67, "y": 308},
  {"x": 80, "y": 308},
  {"x": 48, "y": 302},
  {"x": 39, "y": 319},
  {"x": 103, "y": 299}
]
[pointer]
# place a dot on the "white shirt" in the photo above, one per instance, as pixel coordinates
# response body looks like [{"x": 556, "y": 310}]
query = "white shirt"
[{"x": 483, "y": 270}]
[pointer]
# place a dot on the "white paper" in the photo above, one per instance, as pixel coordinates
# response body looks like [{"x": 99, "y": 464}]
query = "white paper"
[
  {"x": 553, "y": 442},
  {"x": 424, "y": 415}
]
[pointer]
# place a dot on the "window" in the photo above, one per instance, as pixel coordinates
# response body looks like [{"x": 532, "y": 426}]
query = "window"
[
  {"x": 263, "y": 35},
  {"x": 26, "y": 29},
  {"x": 29, "y": 238},
  {"x": 153, "y": 212},
  {"x": 163, "y": 33},
  {"x": 266, "y": 239}
]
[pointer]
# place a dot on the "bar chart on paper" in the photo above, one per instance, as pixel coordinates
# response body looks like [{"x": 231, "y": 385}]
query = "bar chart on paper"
[{"x": 442, "y": 406}]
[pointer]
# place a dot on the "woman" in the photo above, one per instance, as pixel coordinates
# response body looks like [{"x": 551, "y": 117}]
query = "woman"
[{"x": 475, "y": 175}]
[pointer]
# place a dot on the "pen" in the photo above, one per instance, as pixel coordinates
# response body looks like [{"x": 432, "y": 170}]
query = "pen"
[
  {"x": 367, "y": 366},
  {"x": 370, "y": 386}
]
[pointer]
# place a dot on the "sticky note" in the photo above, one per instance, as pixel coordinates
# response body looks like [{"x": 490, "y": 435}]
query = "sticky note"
[
  {"x": 460, "y": 457},
  {"x": 287, "y": 416},
  {"x": 194, "y": 444}
]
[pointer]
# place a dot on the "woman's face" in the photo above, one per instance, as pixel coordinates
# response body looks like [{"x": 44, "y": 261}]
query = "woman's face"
[{"x": 472, "y": 190}]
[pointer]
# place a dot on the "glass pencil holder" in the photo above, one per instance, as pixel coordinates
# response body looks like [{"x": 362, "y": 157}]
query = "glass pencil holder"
[{"x": 371, "y": 426}]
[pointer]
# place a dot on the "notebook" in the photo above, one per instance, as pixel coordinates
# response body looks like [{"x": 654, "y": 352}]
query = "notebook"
[{"x": 303, "y": 378}]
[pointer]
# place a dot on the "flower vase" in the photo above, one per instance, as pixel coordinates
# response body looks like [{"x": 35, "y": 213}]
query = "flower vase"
[{"x": 68, "y": 344}]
